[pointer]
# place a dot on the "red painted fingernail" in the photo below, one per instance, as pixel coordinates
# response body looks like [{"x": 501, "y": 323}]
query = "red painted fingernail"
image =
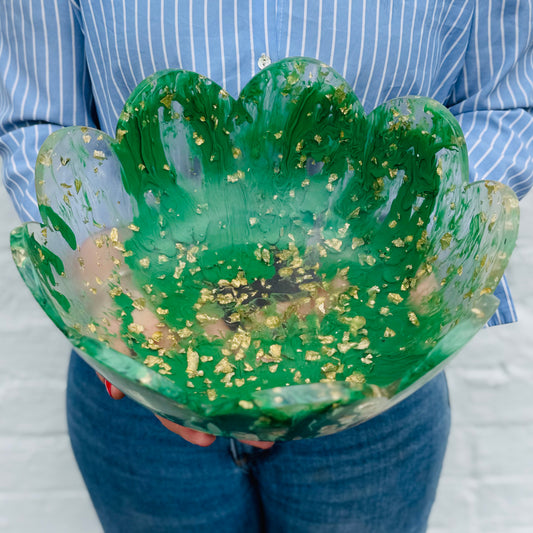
[{"x": 108, "y": 388}]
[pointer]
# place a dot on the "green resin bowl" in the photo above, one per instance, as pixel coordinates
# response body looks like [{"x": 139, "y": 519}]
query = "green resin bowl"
[{"x": 274, "y": 267}]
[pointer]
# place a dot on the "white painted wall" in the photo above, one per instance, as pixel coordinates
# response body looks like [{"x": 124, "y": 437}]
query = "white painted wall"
[{"x": 487, "y": 484}]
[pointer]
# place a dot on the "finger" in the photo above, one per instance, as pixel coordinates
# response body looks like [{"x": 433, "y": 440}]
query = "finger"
[
  {"x": 190, "y": 435},
  {"x": 264, "y": 445},
  {"x": 113, "y": 392}
]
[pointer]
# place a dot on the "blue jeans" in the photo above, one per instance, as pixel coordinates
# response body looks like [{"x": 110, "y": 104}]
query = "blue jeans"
[{"x": 380, "y": 476}]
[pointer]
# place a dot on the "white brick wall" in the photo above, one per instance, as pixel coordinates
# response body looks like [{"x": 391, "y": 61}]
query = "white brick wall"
[
  {"x": 40, "y": 487},
  {"x": 487, "y": 484}
]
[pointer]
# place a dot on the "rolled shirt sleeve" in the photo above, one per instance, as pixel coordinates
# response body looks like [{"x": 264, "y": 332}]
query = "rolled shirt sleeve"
[
  {"x": 44, "y": 85},
  {"x": 493, "y": 102},
  {"x": 493, "y": 97}
]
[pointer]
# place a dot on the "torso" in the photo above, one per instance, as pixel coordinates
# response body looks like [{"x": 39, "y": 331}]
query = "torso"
[{"x": 383, "y": 50}]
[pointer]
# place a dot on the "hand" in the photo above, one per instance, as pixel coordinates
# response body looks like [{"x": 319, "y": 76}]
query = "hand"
[{"x": 190, "y": 435}]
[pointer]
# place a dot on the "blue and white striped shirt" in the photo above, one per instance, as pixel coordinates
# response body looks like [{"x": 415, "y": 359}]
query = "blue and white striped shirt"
[{"x": 65, "y": 62}]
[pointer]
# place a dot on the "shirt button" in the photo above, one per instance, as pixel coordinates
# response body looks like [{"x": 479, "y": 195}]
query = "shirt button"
[{"x": 263, "y": 61}]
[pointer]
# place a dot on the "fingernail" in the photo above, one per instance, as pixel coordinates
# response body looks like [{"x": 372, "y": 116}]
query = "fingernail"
[{"x": 108, "y": 388}]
